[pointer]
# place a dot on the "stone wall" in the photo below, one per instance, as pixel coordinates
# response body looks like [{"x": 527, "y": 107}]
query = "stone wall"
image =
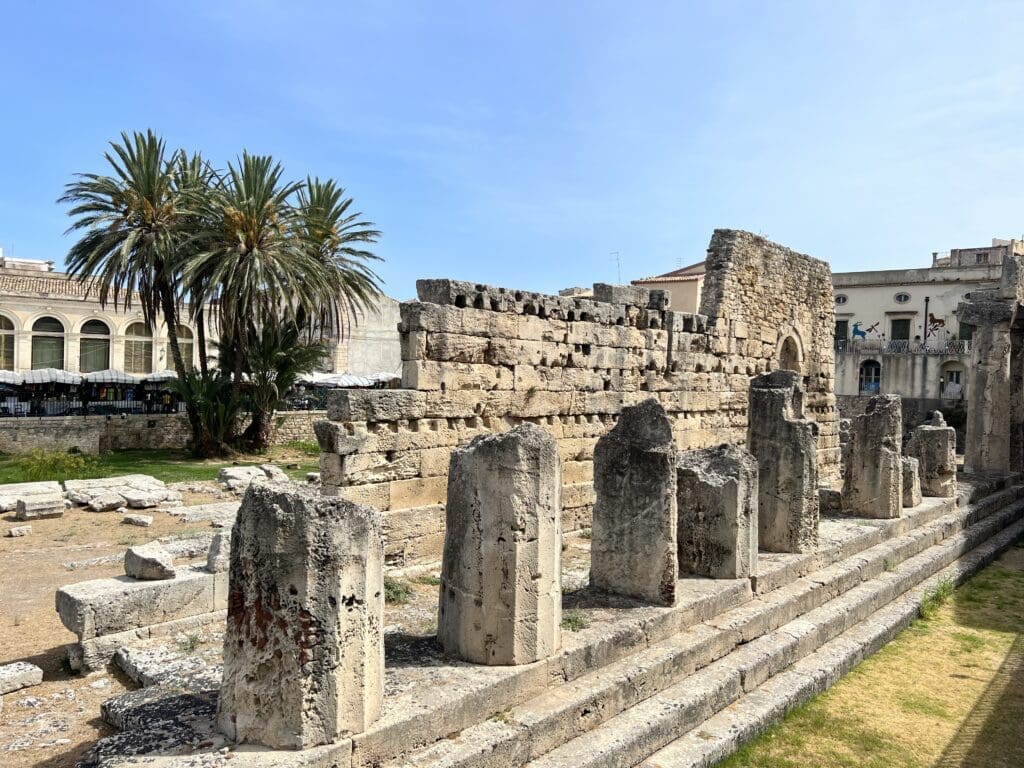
[
  {"x": 478, "y": 359},
  {"x": 916, "y": 410},
  {"x": 95, "y": 434}
]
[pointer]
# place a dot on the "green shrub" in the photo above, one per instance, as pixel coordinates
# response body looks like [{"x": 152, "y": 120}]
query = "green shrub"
[
  {"x": 396, "y": 591},
  {"x": 56, "y": 465},
  {"x": 306, "y": 447},
  {"x": 575, "y": 620},
  {"x": 934, "y": 597},
  {"x": 429, "y": 580}
]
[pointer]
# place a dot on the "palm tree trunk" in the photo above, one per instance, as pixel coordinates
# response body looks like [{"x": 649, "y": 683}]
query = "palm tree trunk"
[
  {"x": 200, "y": 441},
  {"x": 201, "y": 339}
]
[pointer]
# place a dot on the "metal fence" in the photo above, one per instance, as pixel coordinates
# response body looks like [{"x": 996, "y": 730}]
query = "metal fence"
[{"x": 903, "y": 346}]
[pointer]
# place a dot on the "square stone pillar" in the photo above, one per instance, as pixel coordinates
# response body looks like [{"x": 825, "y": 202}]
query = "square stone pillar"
[
  {"x": 633, "y": 548},
  {"x": 717, "y": 501},
  {"x": 933, "y": 444},
  {"x": 873, "y": 474},
  {"x": 500, "y": 598},
  {"x": 911, "y": 482},
  {"x": 304, "y": 645},
  {"x": 784, "y": 444}
]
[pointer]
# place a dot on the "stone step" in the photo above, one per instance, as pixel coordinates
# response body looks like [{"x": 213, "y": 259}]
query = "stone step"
[
  {"x": 728, "y": 730},
  {"x": 636, "y": 733},
  {"x": 553, "y": 717}
]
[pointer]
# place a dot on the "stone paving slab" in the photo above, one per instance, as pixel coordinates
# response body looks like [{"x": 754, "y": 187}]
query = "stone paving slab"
[
  {"x": 10, "y": 493},
  {"x": 18, "y": 675}
]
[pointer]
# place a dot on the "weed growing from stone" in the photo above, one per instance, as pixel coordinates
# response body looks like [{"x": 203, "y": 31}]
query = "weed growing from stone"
[
  {"x": 575, "y": 620},
  {"x": 889, "y": 565},
  {"x": 428, "y": 580},
  {"x": 190, "y": 642},
  {"x": 396, "y": 591},
  {"x": 934, "y": 597}
]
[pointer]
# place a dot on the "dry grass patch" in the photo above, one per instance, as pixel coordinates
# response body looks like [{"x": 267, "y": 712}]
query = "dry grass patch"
[{"x": 948, "y": 691}]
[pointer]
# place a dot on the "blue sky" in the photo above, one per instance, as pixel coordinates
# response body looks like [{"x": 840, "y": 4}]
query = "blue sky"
[{"x": 520, "y": 144}]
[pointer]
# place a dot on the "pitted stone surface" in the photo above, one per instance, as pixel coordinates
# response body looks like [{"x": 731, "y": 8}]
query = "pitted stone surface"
[
  {"x": 717, "y": 501},
  {"x": 784, "y": 444},
  {"x": 39, "y": 506},
  {"x": 933, "y": 444},
  {"x": 304, "y": 645},
  {"x": 18, "y": 675},
  {"x": 149, "y": 562},
  {"x": 911, "y": 482},
  {"x": 634, "y": 548},
  {"x": 873, "y": 476},
  {"x": 218, "y": 559},
  {"x": 500, "y": 599}
]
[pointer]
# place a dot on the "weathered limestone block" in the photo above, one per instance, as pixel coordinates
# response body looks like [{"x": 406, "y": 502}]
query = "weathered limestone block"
[
  {"x": 18, "y": 531},
  {"x": 911, "y": 482},
  {"x": 218, "y": 558},
  {"x": 11, "y": 492},
  {"x": 633, "y": 549},
  {"x": 873, "y": 476},
  {"x": 143, "y": 521},
  {"x": 304, "y": 643},
  {"x": 717, "y": 501},
  {"x": 784, "y": 444},
  {"x": 18, "y": 675},
  {"x": 150, "y": 562},
  {"x": 40, "y": 506},
  {"x": 500, "y": 596},
  {"x": 933, "y": 444}
]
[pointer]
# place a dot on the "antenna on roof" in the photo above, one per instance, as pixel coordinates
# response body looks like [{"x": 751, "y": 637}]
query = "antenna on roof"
[{"x": 618, "y": 266}]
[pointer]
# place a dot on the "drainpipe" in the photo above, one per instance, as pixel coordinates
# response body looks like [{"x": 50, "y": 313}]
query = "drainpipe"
[{"x": 926, "y": 323}]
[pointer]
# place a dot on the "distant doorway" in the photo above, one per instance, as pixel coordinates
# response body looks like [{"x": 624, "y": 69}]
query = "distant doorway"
[
  {"x": 870, "y": 377},
  {"x": 789, "y": 355}
]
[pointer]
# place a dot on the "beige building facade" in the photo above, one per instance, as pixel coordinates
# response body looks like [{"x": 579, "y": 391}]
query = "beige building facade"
[{"x": 50, "y": 320}]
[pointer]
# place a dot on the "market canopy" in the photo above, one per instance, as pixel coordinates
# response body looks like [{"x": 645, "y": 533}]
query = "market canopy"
[
  {"x": 164, "y": 375},
  {"x": 10, "y": 378},
  {"x": 342, "y": 380},
  {"x": 50, "y": 376},
  {"x": 110, "y": 376}
]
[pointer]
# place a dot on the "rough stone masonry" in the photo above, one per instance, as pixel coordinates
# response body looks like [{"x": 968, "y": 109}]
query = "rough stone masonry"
[
  {"x": 633, "y": 546},
  {"x": 784, "y": 444},
  {"x": 500, "y": 597},
  {"x": 933, "y": 444},
  {"x": 717, "y": 501},
  {"x": 479, "y": 360},
  {"x": 873, "y": 476},
  {"x": 304, "y": 644}
]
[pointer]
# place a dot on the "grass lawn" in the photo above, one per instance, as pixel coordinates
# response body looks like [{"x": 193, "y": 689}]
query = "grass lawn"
[
  {"x": 169, "y": 466},
  {"x": 948, "y": 691}
]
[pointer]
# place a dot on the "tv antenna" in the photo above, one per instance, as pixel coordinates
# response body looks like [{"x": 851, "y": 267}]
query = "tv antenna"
[{"x": 618, "y": 266}]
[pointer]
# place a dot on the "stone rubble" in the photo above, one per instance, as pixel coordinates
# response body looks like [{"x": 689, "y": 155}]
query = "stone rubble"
[
  {"x": 237, "y": 479},
  {"x": 143, "y": 521},
  {"x": 933, "y": 444},
  {"x": 149, "y": 562},
  {"x": 18, "y": 530},
  {"x": 11, "y": 493},
  {"x": 18, "y": 675},
  {"x": 500, "y": 599},
  {"x": 112, "y": 493},
  {"x": 40, "y": 506},
  {"x": 911, "y": 482}
]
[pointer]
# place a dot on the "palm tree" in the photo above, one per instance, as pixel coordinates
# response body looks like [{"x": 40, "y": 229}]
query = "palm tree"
[
  {"x": 336, "y": 237},
  {"x": 133, "y": 224}
]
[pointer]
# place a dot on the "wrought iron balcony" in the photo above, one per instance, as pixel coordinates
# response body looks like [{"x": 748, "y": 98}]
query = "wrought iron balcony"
[{"x": 903, "y": 346}]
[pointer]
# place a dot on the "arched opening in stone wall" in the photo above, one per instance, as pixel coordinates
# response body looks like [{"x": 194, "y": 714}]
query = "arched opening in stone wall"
[{"x": 789, "y": 355}]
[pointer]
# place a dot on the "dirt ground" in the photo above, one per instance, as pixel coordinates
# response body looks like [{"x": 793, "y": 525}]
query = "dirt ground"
[{"x": 51, "y": 724}]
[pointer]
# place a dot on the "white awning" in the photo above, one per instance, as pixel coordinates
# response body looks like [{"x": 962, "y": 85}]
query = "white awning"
[
  {"x": 50, "y": 376},
  {"x": 164, "y": 375},
  {"x": 10, "y": 378},
  {"x": 110, "y": 376}
]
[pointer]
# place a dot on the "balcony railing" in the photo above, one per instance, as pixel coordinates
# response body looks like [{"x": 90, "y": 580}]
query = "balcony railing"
[{"x": 904, "y": 347}]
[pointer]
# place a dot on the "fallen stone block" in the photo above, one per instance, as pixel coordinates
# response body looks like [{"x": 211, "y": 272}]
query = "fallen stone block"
[
  {"x": 634, "y": 550},
  {"x": 500, "y": 598},
  {"x": 20, "y": 674},
  {"x": 148, "y": 562},
  {"x": 10, "y": 493},
  {"x": 19, "y": 530},
  {"x": 911, "y": 482},
  {"x": 142, "y": 499},
  {"x": 143, "y": 521},
  {"x": 218, "y": 558},
  {"x": 274, "y": 473},
  {"x": 717, "y": 502},
  {"x": 40, "y": 507},
  {"x": 105, "y": 501},
  {"x": 304, "y": 642}
]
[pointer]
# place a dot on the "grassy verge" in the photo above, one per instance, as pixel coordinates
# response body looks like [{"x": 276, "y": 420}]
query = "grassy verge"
[
  {"x": 949, "y": 690},
  {"x": 169, "y": 466}
]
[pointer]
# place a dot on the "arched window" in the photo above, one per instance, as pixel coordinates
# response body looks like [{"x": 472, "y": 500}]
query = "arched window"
[
  {"x": 952, "y": 385},
  {"x": 47, "y": 343},
  {"x": 138, "y": 349},
  {"x": 789, "y": 355},
  {"x": 870, "y": 377},
  {"x": 6, "y": 344},
  {"x": 186, "y": 345},
  {"x": 94, "y": 347}
]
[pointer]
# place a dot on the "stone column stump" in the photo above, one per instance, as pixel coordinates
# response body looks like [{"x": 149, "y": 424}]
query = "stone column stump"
[
  {"x": 933, "y": 444},
  {"x": 911, "y": 482},
  {"x": 500, "y": 596},
  {"x": 784, "y": 444},
  {"x": 304, "y": 645},
  {"x": 633, "y": 548},
  {"x": 717, "y": 501},
  {"x": 873, "y": 475}
]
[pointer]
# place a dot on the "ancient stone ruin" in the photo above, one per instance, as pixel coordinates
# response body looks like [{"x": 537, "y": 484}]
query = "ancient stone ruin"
[
  {"x": 633, "y": 548},
  {"x": 933, "y": 444},
  {"x": 717, "y": 501},
  {"x": 500, "y": 592},
  {"x": 304, "y": 646},
  {"x": 680, "y": 460},
  {"x": 784, "y": 443},
  {"x": 873, "y": 475}
]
